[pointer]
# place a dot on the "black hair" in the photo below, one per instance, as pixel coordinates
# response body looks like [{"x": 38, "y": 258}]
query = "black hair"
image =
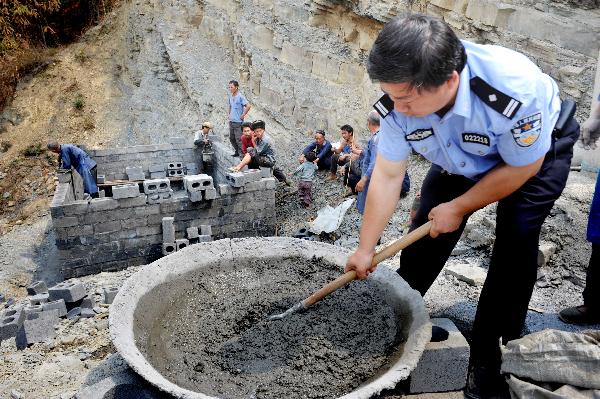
[
  {"x": 416, "y": 49},
  {"x": 247, "y": 124},
  {"x": 310, "y": 156},
  {"x": 258, "y": 125},
  {"x": 320, "y": 131},
  {"x": 234, "y": 82},
  {"x": 348, "y": 128}
]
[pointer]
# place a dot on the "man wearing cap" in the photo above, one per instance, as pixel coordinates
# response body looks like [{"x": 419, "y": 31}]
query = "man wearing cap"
[
  {"x": 237, "y": 111},
  {"x": 261, "y": 154},
  {"x": 321, "y": 148},
  {"x": 201, "y": 136},
  {"x": 488, "y": 120}
]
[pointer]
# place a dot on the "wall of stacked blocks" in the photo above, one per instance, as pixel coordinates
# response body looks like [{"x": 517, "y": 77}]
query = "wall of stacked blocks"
[{"x": 157, "y": 199}]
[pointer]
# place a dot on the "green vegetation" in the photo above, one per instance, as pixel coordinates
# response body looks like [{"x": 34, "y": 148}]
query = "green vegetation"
[
  {"x": 33, "y": 150},
  {"x": 78, "y": 102}
]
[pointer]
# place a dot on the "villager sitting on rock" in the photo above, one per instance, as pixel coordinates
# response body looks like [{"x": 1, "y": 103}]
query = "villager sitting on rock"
[
  {"x": 247, "y": 134},
  {"x": 72, "y": 156},
  {"x": 306, "y": 170},
  {"x": 341, "y": 155},
  {"x": 261, "y": 154},
  {"x": 201, "y": 136},
  {"x": 322, "y": 150}
]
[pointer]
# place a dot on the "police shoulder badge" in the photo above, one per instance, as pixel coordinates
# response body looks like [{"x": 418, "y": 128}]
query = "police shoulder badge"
[
  {"x": 527, "y": 130},
  {"x": 419, "y": 134}
]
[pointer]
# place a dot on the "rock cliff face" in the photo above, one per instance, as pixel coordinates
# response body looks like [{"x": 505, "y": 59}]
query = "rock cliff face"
[{"x": 303, "y": 62}]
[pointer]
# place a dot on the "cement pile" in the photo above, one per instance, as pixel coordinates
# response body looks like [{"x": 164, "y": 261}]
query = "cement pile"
[{"x": 215, "y": 338}]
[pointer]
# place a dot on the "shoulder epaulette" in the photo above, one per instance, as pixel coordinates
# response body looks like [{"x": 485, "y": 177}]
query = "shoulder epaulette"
[
  {"x": 494, "y": 98},
  {"x": 384, "y": 105}
]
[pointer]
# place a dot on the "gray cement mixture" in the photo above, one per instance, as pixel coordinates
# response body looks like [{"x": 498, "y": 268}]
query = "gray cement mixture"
[{"x": 214, "y": 335}]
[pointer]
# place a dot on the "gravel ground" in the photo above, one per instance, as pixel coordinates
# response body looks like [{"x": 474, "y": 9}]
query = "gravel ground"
[{"x": 81, "y": 352}]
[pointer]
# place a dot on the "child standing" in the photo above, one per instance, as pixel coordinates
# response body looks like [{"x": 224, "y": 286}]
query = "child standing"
[{"x": 306, "y": 170}]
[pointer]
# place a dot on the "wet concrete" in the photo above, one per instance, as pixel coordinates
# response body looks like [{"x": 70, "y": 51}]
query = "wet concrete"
[{"x": 214, "y": 336}]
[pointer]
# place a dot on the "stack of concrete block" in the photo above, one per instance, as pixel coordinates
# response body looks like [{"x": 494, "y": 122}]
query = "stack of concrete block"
[
  {"x": 443, "y": 365},
  {"x": 199, "y": 187},
  {"x": 126, "y": 191},
  {"x": 191, "y": 169},
  {"x": 158, "y": 190},
  {"x": 157, "y": 171},
  {"x": 168, "y": 231},
  {"x": 175, "y": 169},
  {"x": 135, "y": 173}
]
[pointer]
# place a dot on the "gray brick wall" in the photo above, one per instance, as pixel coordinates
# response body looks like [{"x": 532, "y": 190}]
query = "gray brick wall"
[{"x": 107, "y": 234}]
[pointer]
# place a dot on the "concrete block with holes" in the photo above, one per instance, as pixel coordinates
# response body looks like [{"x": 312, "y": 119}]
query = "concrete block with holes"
[
  {"x": 197, "y": 182},
  {"x": 37, "y": 287},
  {"x": 182, "y": 243},
  {"x": 168, "y": 248},
  {"x": 11, "y": 322},
  {"x": 157, "y": 186},
  {"x": 69, "y": 291},
  {"x": 38, "y": 299}
]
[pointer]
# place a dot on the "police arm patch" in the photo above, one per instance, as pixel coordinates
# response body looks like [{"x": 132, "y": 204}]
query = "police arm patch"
[
  {"x": 419, "y": 134},
  {"x": 527, "y": 130},
  {"x": 476, "y": 138}
]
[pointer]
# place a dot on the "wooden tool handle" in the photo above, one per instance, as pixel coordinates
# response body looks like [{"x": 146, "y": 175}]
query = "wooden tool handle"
[{"x": 380, "y": 256}]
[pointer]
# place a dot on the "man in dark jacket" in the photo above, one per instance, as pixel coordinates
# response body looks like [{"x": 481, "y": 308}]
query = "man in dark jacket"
[{"x": 322, "y": 150}]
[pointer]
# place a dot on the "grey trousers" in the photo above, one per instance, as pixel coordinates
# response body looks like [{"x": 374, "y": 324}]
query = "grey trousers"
[{"x": 235, "y": 136}]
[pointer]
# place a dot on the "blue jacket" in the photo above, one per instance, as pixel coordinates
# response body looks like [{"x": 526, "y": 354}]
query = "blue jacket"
[
  {"x": 72, "y": 156},
  {"x": 322, "y": 152},
  {"x": 593, "y": 228}
]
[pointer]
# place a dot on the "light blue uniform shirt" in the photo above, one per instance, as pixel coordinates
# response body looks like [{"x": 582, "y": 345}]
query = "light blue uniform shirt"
[
  {"x": 472, "y": 137},
  {"x": 237, "y": 104}
]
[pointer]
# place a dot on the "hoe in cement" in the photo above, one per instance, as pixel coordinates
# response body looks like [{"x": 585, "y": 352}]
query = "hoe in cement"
[{"x": 350, "y": 276}]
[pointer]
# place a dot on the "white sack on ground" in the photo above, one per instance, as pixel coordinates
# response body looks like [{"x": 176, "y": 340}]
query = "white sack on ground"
[{"x": 329, "y": 219}]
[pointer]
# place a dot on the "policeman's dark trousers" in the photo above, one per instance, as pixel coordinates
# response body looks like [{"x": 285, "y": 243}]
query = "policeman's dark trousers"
[
  {"x": 512, "y": 271},
  {"x": 591, "y": 293}
]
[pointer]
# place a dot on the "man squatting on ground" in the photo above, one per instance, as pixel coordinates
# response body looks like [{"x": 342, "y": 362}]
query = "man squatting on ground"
[
  {"x": 237, "y": 111},
  {"x": 73, "y": 156},
  {"x": 322, "y": 150},
  {"x": 262, "y": 153},
  {"x": 201, "y": 136},
  {"x": 589, "y": 312},
  {"x": 484, "y": 116},
  {"x": 341, "y": 155}
]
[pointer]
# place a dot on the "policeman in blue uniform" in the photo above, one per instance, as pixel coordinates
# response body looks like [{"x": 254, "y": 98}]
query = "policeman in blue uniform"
[
  {"x": 486, "y": 117},
  {"x": 589, "y": 312},
  {"x": 73, "y": 156}
]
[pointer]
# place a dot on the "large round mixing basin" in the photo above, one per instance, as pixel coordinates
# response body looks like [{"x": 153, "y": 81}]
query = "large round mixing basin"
[{"x": 195, "y": 323}]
